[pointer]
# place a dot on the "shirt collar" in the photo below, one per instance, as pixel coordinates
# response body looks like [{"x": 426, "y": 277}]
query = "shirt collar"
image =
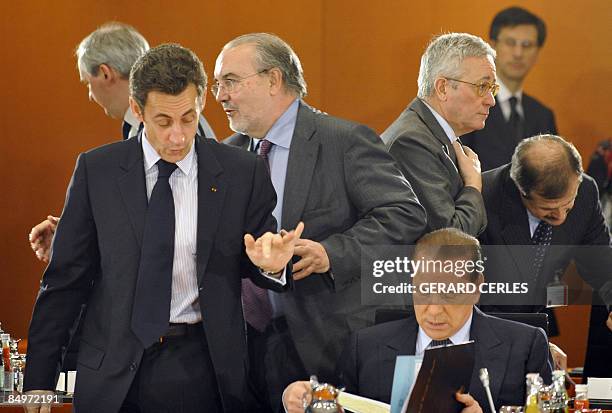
[
  {"x": 281, "y": 133},
  {"x": 504, "y": 93},
  {"x": 151, "y": 156},
  {"x": 461, "y": 336},
  {"x": 533, "y": 222},
  {"x": 450, "y": 133},
  {"x": 130, "y": 118}
]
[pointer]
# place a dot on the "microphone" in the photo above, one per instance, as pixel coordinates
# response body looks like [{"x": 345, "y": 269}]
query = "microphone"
[{"x": 484, "y": 378}]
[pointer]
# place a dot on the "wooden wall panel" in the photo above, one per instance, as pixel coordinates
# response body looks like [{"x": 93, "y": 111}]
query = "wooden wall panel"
[{"x": 361, "y": 61}]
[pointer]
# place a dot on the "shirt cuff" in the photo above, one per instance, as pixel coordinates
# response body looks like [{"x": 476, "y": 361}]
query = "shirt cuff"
[{"x": 282, "y": 280}]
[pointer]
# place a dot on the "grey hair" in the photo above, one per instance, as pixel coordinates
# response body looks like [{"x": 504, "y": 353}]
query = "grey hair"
[
  {"x": 444, "y": 55},
  {"x": 545, "y": 164},
  {"x": 274, "y": 52},
  {"x": 116, "y": 44}
]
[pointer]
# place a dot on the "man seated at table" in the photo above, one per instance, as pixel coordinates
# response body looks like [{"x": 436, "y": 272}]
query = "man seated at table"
[{"x": 508, "y": 349}]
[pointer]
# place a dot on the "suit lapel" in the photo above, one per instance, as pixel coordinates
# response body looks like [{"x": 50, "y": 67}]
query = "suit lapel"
[
  {"x": 401, "y": 344},
  {"x": 303, "y": 156},
  {"x": 515, "y": 227},
  {"x": 496, "y": 122},
  {"x": 211, "y": 194},
  {"x": 432, "y": 123},
  {"x": 491, "y": 353},
  {"x": 529, "y": 110},
  {"x": 132, "y": 186}
]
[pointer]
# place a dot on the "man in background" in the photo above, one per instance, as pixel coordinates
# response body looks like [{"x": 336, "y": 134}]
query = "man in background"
[
  {"x": 517, "y": 36},
  {"x": 456, "y": 89},
  {"x": 104, "y": 60},
  {"x": 543, "y": 212}
]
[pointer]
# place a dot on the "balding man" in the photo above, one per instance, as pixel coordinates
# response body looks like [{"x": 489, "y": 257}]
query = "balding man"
[{"x": 543, "y": 199}]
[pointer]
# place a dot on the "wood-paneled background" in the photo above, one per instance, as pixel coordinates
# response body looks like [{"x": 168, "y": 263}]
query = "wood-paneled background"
[{"x": 360, "y": 58}]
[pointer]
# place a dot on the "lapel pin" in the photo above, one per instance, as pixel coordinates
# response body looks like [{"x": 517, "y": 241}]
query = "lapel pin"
[{"x": 213, "y": 189}]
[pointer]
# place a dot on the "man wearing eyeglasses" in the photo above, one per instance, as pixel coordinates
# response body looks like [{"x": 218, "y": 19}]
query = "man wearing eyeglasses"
[
  {"x": 517, "y": 36},
  {"x": 456, "y": 89},
  {"x": 333, "y": 175}
]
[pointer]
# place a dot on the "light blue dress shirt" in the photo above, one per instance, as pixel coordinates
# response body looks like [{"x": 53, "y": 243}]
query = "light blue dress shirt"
[{"x": 460, "y": 336}]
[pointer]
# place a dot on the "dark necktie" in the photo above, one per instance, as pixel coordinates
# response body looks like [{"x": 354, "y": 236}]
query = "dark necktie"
[
  {"x": 516, "y": 121},
  {"x": 437, "y": 343},
  {"x": 541, "y": 239},
  {"x": 151, "y": 311},
  {"x": 255, "y": 300},
  {"x": 126, "y": 130},
  {"x": 264, "y": 149}
]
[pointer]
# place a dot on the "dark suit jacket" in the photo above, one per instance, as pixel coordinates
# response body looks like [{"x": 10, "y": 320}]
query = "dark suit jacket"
[
  {"x": 494, "y": 143},
  {"x": 509, "y": 350},
  {"x": 98, "y": 242},
  {"x": 424, "y": 154},
  {"x": 349, "y": 193},
  {"x": 508, "y": 228}
]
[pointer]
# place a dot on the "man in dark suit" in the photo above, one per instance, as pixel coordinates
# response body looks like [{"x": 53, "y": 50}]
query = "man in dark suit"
[
  {"x": 517, "y": 36},
  {"x": 456, "y": 89},
  {"x": 507, "y": 349},
  {"x": 104, "y": 60},
  {"x": 543, "y": 199},
  {"x": 333, "y": 175},
  {"x": 164, "y": 328}
]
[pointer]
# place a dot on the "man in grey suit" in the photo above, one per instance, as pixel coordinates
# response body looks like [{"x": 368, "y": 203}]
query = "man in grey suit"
[
  {"x": 456, "y": 90},
  {"x": 332, "y": 174}
]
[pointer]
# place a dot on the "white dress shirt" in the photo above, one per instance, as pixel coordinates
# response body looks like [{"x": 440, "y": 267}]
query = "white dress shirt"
[
  {"x": 184, "y": 304},
  {"x": 503, "y": 100},
  {"x": 461, "y": 336}
]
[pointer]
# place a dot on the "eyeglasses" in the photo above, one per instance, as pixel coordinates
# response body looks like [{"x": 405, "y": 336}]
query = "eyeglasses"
[
  {"x": 482, "y": 88},
  {"x": 511, "y": 42},
  {"x": 230, "y": 85}
]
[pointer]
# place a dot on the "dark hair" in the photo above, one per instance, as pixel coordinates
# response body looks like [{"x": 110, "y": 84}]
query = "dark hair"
[
  {"x": 515, "y": 16},
  {"x": 450, "y": 243},
  {"x": 169, "y": 69},
  {"x": 545, "y": 164}
]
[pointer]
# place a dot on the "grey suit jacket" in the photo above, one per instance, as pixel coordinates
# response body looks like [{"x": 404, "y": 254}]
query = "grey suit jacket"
[
  {"x": 424, "y": 154},
  {"x": 349, "y": 193},
  {"x": 507, "y": 349}
]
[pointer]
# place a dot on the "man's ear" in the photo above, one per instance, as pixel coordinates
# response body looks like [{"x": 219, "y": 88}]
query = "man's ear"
[
  {"x": 107, "y": 73},
  {"x": 441, "y": 88},
  {"x": 202, "y": 101},
  {"x": 275, "y": 77},
  {"x": 136, "y": 110}
]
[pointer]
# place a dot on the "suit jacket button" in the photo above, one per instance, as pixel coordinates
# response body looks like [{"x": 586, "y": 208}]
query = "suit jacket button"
[
  {"x": 133, "y": 366},
  {"x": 201, "y": 289}
]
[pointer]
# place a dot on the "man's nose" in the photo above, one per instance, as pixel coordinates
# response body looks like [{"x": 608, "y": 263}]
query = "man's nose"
[{"x": 177, "y": 135}]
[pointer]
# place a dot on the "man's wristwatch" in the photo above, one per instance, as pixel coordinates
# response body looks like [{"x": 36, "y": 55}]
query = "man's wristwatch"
[{"x": 270, "y": 273}]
